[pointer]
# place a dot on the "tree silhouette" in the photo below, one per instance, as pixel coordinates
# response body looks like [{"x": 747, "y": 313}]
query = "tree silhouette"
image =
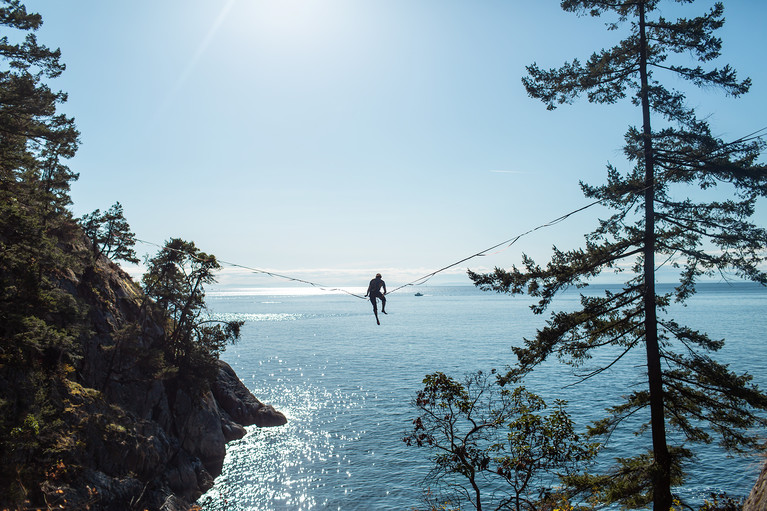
[
  {"x": 39, "y": 322},
  {"x": 494, "y": 447},
  {"x": 110, "y": 234},
  {"x": 176, "y": 279},
  {"x": 653, "y": 221}
]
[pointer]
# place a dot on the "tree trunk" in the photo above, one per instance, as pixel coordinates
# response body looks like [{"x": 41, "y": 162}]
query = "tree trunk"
[{"x": 662, "y": 470}]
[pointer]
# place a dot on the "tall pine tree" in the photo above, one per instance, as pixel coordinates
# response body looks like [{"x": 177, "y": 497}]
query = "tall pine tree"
[
  {"x": 34, "y": 141},
  {"x": 653, "y": 222},
  {"x": 39, "y": 321},
  {"x": 34, "y": 182}
]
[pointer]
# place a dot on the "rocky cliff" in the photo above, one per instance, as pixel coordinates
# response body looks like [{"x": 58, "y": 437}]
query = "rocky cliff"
[
  {"x": 140, "y": 438},
  {"x": 757, "y": 500}
]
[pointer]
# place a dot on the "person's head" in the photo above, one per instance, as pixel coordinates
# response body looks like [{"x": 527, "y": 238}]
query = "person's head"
[{"x": 378, "y": 275}]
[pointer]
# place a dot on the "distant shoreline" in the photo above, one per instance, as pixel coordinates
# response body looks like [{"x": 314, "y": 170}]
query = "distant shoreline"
[{"x": 299, "y": 290}]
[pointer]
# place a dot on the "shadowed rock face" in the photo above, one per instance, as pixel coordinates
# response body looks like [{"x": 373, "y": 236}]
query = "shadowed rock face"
[
  {"x": 757, "y": 500},
  {"x": 148, "y": 442},
  {"x": 239, "y": 404}
]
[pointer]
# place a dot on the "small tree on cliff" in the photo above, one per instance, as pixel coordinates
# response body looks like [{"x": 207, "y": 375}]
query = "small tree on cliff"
[
  {"x": 110, "y": 234},
  {"x": 687, "y": 390},
  {"x": 175, "y": 279}
]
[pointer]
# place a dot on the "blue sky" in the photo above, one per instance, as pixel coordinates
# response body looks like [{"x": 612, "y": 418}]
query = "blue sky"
[{"x": 331, "y": 139}]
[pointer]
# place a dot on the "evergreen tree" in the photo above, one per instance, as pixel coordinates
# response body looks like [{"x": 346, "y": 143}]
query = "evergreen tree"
[
  {"x": 34, "y": 138},
  {"x": 176, "y": 279},
  {"x": 110, "y": 234},
  {"x": 39, "y": 322},
  {"x": 688, "y": 390},
  {"x": 34, "y": 182},
  {"x": 34, "y": 188}
]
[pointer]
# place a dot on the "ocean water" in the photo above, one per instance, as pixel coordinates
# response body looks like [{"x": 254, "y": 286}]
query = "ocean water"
[{"x": 346, "y": 385}]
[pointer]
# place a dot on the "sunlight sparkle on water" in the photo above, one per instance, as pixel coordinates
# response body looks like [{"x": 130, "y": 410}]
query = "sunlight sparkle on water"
[
  {"x": 345, "y": 386},
  {"x": 270, "y": 465},
  {"x": 254, "y": 317}
]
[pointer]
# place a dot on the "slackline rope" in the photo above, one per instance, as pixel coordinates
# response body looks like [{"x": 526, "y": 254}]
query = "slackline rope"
[
  {"x": 759, "y": 134},
  {"x": 509, "y": 242},
  {"x": 417, "y": 282},
  {"x": 256, "y": 270}
]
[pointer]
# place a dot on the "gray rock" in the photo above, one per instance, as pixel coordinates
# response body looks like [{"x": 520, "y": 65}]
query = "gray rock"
[
  {"x": 236, "y": 400},
  {"x": 148, "y": 443},
  {"x": 757, "y": 499}
]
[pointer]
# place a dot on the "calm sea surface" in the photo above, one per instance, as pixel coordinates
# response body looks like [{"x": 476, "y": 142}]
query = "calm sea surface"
[{"x": 346, "y": 384}]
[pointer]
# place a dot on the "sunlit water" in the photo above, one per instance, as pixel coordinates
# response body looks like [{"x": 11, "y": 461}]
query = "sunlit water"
[{"x": 346, "y": 384}]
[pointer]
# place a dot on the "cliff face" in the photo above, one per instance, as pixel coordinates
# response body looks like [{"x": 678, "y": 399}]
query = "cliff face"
[
  {"x": 141, "y": 438},
  {"x": 757, "y": 500}
]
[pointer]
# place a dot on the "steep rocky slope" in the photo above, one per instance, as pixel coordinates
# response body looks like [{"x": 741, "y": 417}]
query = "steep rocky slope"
[{"x": 140, "y": 438}]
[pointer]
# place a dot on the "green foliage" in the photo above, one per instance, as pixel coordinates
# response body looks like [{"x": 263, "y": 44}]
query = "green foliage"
[
  {"x": 175, "y": 280},
  {"x": 493, "y": 447},
  {"x": 110, "y": 234},
  {"x": 688, "y": 391},
  {"x": 37, "y": 437},
  {"x": 40, "y": 321},
  {"x": 29, "y": 428},
  {"x": 722, "y": 502},
  {"x": 33, "y": 137},
  {"x": 630, "y": 482},
  {"x": 34, "y": 187},
  {"x": 44, "y": 414}
]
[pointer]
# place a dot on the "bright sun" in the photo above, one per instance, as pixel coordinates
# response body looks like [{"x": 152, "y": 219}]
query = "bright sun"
[{"x": 285, "y": 22}]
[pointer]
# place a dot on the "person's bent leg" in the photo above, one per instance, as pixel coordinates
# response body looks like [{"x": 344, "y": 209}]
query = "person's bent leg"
[{"x": 383, "y": 304}]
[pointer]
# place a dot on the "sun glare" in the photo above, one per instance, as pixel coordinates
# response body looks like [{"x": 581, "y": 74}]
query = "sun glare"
[{"x": 286, "y": 22}]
